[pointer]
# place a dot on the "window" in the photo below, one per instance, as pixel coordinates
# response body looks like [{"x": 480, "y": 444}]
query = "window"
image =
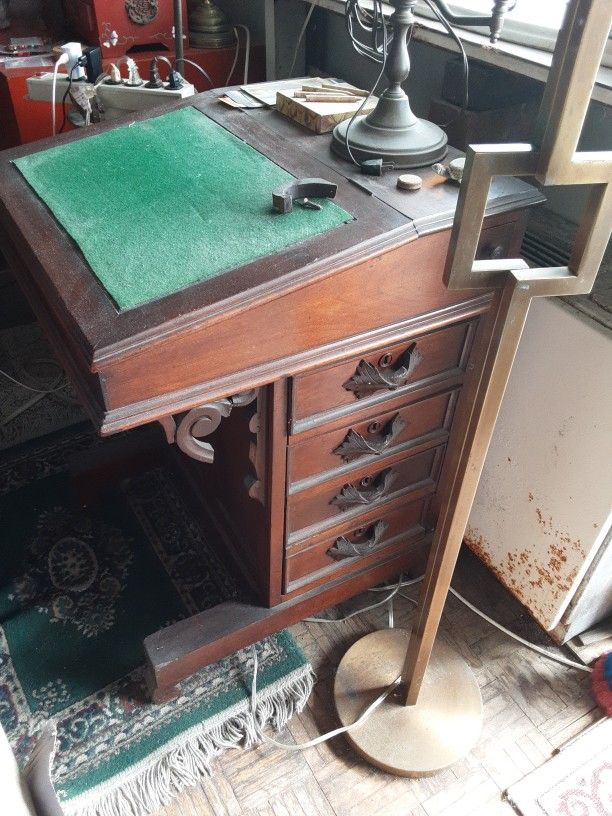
[{"x": 534, "y": 23}]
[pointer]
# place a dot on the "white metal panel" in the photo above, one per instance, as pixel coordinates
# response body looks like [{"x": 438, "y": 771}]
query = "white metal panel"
[{"x": 544, "y": 504}]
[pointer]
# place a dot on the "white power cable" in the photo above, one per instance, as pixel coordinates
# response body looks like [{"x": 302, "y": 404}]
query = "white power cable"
[
  {"x": 235, "y": 62},
  {"x": 62, "y": 60},
  {"x": 301, "y": 37},
  {"x": 37, "y": 393},
  {"x": 323, "y": 737},
  {"x": 382, "y": 697},
  {"x": 247, "y": 53},
  {"x": 534, "y": 647},
  {"x": 539, "y": 649},
  {"x": 388, "y": 599},
  {"x": 29, "y": 387}
]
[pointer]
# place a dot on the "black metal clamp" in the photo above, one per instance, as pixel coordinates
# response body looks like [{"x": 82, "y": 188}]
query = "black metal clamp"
[{"x": 301, "y": 191}]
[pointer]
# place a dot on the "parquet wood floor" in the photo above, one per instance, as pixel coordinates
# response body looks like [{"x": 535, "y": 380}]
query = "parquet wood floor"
[{"x": 531, "y": 707}]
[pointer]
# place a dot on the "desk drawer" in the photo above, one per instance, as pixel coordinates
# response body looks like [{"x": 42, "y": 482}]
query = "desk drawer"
[
  {"x": 366, "y": 443},
  {"x": 356, "y": 546},
  {"x": 387, "y": 371},
  {"x": 339, "y": 500}
]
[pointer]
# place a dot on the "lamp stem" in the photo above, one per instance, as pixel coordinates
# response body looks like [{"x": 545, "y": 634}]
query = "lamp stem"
[
  {"x": 398, "y": 59},
  {"x": 392, "y": 131}
]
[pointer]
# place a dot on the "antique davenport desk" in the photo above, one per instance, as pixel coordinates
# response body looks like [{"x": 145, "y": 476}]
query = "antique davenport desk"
[{"x": 308, "y": 396}]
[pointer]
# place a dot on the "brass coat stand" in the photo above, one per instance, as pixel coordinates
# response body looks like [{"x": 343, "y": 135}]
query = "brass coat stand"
[{"x": 435, "y": 717}]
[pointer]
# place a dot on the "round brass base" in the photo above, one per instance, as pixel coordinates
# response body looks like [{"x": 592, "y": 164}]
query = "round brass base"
[
  {"x": 418, "y": 740},
  {"x": 416, "y": 145}
]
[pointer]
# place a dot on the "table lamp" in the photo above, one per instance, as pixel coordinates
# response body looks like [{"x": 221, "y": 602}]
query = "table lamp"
[{"x": 392, "y": 131}]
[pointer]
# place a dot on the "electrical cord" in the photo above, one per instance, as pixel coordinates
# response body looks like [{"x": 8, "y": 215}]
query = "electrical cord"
[
  {"x": 389, "y": 597},
  {"x": 38, "y": 394},
  {"x": 389, "y": 690},
  {"x": 323, "y": 737},
  {"x": 247, "y": 53},
  {"x": 539, "y": 649},
  {"x": 301, "y": 37},
  {"x": 200, "y": 69},
  {"x": 367, "y": 98},
  {"x": 235, "y": 62},
  {"x": 65, "y": 97},
  {"x": 466, "y": 66},
  {"x": 534, "y": 647},
  {"x": 29, "y": 387},
  {"x": 371, "y": 23},
  {"x": 63, "y": 59}
]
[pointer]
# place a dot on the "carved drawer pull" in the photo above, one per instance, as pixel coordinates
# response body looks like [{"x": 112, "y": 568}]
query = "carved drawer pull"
[
  {"x": 345, "y": 548},
  {"x": 369, "y": 378},
  {"x": 355, "y": 445},
  {"x": 350, "y": 495}
]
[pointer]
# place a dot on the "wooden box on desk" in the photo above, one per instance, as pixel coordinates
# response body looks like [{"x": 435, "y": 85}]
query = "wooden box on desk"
[{"x": 322, "y": 117}]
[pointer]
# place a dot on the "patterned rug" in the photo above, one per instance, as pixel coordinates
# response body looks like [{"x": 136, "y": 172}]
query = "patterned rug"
[
  {"x": 79, "y": 590},
  {"x": 575, "y": 782}
]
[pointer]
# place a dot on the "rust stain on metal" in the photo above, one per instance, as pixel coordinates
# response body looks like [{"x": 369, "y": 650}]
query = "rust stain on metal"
[{"x": 540, "y": 583}]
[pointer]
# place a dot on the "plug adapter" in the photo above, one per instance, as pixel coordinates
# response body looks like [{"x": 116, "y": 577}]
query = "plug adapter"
[
  {"x": 74, "y": 53},
  {"x": 92, "y": 56}
]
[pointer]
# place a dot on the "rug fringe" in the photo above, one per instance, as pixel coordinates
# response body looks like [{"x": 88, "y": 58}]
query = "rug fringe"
[{"x": 189, "y": 762}]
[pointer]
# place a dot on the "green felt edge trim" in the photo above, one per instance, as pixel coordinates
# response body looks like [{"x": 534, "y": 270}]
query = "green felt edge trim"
[
  {"x": 294, "y": 659},
  {"x": 201, "y": 205}
]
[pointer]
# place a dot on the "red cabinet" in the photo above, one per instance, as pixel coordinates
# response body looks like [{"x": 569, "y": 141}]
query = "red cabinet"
[{"x": 120, "y": 25}]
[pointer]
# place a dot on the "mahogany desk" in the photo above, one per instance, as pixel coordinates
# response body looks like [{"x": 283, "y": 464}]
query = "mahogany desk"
[{"x": 327, "y": 377}]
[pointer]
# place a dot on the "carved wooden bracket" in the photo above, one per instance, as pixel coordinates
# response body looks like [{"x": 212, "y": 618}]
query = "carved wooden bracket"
[
  {"x": 257, "y": 453},
  {"x": 201, "y": 422}
]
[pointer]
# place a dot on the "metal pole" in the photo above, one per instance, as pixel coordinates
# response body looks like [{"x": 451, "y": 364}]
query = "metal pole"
[
  {"x": 552, "y": 159},
  {"x": 178, "y": 36}
]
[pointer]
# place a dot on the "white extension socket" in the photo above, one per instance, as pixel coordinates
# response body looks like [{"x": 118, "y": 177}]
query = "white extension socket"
[{"x": 116, "y": 99}]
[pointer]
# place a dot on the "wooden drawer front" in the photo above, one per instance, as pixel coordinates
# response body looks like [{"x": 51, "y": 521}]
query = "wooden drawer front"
[
  {"x": 355, "y": 546},
  {"x": 387, "y": 371},
  {"x": 336, "y": 501},
  {"x": 365, "y": 443}
]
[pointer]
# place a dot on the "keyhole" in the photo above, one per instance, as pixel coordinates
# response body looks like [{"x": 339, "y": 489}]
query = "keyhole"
[{"x": 386, "y": 360}]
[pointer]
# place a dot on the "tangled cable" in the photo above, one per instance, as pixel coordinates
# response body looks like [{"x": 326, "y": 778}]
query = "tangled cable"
[{"x": 372, "y": 25}]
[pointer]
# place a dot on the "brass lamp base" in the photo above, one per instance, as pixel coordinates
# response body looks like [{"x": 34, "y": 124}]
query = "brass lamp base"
[
  {"x": 418, "y": 740},
  {"x": 391, "y": 132},
  {"x": 420, "y": 144}
]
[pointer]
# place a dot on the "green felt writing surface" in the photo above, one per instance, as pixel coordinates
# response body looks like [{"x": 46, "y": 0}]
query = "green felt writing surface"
[{"x": 161, "y": 204}]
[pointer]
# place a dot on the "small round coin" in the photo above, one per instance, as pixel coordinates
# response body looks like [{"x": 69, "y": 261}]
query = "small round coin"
[{"x": 409, "y": 181}]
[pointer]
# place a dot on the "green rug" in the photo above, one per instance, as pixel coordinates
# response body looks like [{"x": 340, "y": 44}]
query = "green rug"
[
  {"x": 158, "y": 205},
  {"x": 79, "y": 590}
]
